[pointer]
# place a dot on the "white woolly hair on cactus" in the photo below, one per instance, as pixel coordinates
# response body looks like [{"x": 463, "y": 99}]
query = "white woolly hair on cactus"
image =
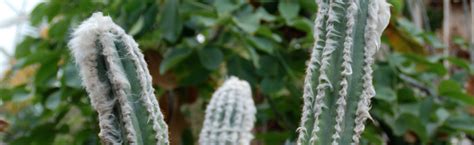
[
  {"x": 230, "y": 115},
  {"x": 338, "y": 84},
  {"x": 118, "y": 82}
]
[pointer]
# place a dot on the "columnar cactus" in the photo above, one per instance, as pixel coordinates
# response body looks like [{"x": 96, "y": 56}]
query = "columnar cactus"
[
  {"x": 338, "y": 84},
  {"x": 117, "y": 80},
  {"x": 230, "y": 115}
]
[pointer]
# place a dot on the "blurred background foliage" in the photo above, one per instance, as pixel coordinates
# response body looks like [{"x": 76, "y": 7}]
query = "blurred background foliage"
[{"x": 191, "y": 46}]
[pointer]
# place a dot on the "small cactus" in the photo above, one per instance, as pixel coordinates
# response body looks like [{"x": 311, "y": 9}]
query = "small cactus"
[
  {"x": 230, "y": 115},
  {"x": 117, "y": 80},
  {"x": 338, "y": 84}
]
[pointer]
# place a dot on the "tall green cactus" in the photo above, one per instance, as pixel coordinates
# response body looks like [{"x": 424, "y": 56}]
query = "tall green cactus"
[
  {"x": 117, "y": 80},
  {"x": 338, "y": 84},
  {"x": 230, "y": 115}
]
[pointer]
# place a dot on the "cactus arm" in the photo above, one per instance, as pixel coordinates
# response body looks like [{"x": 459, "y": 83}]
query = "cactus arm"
[
  {"x": 307, "y": 118},
  {"x": 128, "y": 110},
  {"x": 338, "y": 102},
  {"x": 354, "y": 91},
  {"x": 378, "y": 17},
  {"x": 230, "y": 115},
  {"x": 330, "y": 73}
]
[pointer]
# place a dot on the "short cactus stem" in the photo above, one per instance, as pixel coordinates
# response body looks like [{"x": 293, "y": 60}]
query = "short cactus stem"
[
  {"x": 338, "y": 84},
  {"x": 118, "y": 82},
  {"x": 230, "y": 115}
]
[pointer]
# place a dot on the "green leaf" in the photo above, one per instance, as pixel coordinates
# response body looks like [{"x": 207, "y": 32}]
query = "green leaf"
[
  {"x": 454, "y": 90},
  {"x": 302, "y": 24},
  {"x": 271, "y": 85},
  {"x": 288, "y": 9},
  {"x": 408, "y": 122},
  {"x": 225, "y": 7},
  {"x": 21, "y": 95},
  {"x": 253, "y": 55},
  {"x": 264, "y": 15},
  {"x": 460, "y": 63},
  {"x": 53, "y": 100},
  {"x": 59, "y": 30},
  {"x": 463, "y": 123},
  {"x": 447, "y": 86},
  {"x": 385, "y": 93},
  {"x": 210, "y": 57},
  {"x": 173, "y": 57},
  {"x": 248, "y": 22},
  {"x": 71, "y": 76},
  {"x": 38, "y": 13},
  {"x": 261, "y": 43},
  {"x": 46, "y": 73},
  {"x": 170, "y": 23},
  {"x": 137, "y": 27}
]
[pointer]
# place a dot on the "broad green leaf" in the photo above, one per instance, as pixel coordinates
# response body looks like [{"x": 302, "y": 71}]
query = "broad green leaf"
[
  {"x": 263, "y": 44},
  {"x": 408, "y": 122},
  {"x": 302, "y": 24},
  {"x": 210, "y": 57},
  {"x": 460, "y": 63},
  {"x": 385, "y": 93},
  {"x": 59, "y": 30},
  {"x": 170, "y": 23},
  {"x": 248, "y": 22},
  {"x": 452, "y": 89},
  {"x": 225, "y": 7},
  {"x": 463, "y": 123},
  {"x": 38, "y": 13},
  {"x": 173, "y": 57},
  {"x": 53, "y": 100},
  {"x": 46, "y": 73},
  {"x": 267, "y": 32},
  {"x": 264, "y": 15},
  {"x": 21, "y": 95},
  {"x": 271, "y": 85},
  {"x": 71, "y": 76},
  {"x": 288, "y": 9},
  {"x": 447, "y": 86}
]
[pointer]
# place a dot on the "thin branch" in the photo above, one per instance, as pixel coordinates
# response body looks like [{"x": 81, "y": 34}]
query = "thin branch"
[{"x": 446, "y": 28}]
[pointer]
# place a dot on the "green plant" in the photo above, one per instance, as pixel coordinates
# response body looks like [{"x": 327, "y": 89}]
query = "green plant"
[
  {"x": 338, "y": 85},
  {"x": 117, "y": 80},
  {"x": 230, "y": 115}
]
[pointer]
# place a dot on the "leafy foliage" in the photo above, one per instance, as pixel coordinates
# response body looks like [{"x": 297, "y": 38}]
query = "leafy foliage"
[{"x": 192, "y": 45}]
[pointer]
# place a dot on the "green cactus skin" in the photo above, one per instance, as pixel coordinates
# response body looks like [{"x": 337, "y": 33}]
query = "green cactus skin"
[
  {"x": 230, "y": 115},
  {"x": 338, "y": 84},
  {"x": 118, "y": 82}
]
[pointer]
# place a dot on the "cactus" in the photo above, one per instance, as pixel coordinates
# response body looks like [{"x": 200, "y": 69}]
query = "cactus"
[
  {"x": 338, "y": 84},
  {"x": 117, "y": 80},
  {"x": 230, "y": 115}
]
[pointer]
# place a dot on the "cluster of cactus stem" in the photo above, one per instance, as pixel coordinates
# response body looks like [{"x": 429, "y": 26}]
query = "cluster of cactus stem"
[
  {"x": 338, "y": 84},
  {"x": 118, "y": 82},
  {"x": 337, "y": 89},
  {"x": 230, "y": 115}
]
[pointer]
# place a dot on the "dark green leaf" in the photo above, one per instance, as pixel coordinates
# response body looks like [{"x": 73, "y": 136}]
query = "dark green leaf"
[
  {"x": 288, "y": 9},
  {"x": 263, "y": 44},
  {"x": 453, "y": 90},
  {"x": 53, "y": 100},
  {"x": 210, "y": 57},
  {"x": 170, "y": 23}
]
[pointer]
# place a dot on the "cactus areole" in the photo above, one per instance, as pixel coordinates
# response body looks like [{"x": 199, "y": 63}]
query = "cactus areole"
[
  {"x": 117, "y": 80},
  {"x": 230, "y": 115},
  {"x": 338, "y": 84}
]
